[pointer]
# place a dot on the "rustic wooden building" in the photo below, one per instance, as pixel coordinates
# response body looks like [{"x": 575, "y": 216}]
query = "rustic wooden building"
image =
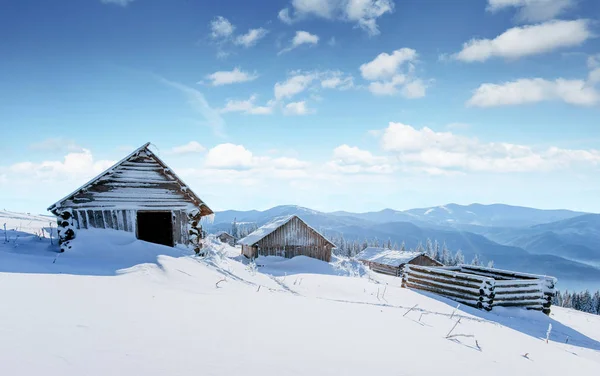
[
  {"x": 287, "y": 237},
  {"x": 225, "y": 237},
  {"x": 388, "y": 261},
  {"x": 139, "y": 194}
]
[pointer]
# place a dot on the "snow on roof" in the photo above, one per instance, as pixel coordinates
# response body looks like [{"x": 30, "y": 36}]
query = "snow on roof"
[
  {"x": 277, "y": 222},
  {"x": 387, "y": 256},
  {"x": 223, "y": 233},
  {"x": 110, "y": 170},
  {"x": 265, "y": 230}
]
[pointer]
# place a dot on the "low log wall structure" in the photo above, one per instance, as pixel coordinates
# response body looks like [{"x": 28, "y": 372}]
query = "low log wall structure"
[{"x": 483, "y": 287}]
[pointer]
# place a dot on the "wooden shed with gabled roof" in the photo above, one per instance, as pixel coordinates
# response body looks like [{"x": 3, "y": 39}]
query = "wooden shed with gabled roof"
[
  {"x": 287, "y": 236},
  {"x": 139, "y": 194},
  {"x": 391, "y": 261}
]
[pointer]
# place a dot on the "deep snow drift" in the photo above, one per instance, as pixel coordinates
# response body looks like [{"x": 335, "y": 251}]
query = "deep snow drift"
[{"x": 119, "y": 306}]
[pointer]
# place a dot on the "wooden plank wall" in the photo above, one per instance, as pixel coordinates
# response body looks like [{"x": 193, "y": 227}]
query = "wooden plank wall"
[
  {"x": 122, "y": 220},
  {"x": 295, "y": 238},
  {"x": 472, "y": 290},
  {"x": 125, "y": 220},
  {"x": 483, "y": 287}
]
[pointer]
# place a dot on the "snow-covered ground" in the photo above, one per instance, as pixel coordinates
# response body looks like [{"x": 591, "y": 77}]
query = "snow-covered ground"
[{"x": 116, "y": 305}]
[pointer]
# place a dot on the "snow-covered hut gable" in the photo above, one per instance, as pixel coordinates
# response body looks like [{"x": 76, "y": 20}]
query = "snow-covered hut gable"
[
  {"x": 138, "y": 191},
  {"x": 287, "y": 236},
  {"x": 225, "y": 237},
  {"x": 390, "y": 261}
]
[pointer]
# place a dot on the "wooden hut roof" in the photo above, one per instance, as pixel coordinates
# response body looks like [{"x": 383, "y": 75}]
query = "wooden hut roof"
[
  {"x": 386, "y": 256},
  {"x": 270, "y": 227},
  {"x": 188, "y": 193}
]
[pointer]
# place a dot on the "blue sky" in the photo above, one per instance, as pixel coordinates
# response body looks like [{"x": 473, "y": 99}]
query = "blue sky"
[{"x": 331, "y": 104}]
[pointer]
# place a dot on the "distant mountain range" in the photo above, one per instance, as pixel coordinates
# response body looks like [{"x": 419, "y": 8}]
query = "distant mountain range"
[{"x": 562, "y": 243}]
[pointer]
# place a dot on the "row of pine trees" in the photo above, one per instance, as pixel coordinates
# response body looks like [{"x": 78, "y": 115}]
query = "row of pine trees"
[
  {"x": 582, "y": 301},
  {"x": 433, "y": 249}
]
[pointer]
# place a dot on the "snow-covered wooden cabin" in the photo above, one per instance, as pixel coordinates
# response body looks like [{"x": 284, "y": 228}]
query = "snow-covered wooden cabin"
[
  {"x": 389, "y": 261},
  {"x": 139, "y": 194},
  {"x": 287, "y": 236},
  {"x": 225, "y": 237}
]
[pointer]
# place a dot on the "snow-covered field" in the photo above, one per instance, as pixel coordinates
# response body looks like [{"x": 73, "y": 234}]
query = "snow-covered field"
[{"x": 118, "y": 306}]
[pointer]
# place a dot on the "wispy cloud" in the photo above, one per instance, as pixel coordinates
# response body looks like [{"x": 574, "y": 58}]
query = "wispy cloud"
[
  {"x": 56, "y": 144},
  {"x": 221, "y": 28},
  {"x": 296, "y": 108},
  {"x": 532, "y": 10},
  {"x": 364, "y": 13},
  {"x": 248, "y": 106},
  {"x": 192, "y": 147},
  {"x": 197, "y": 101},
  {"x": 122, "y": 3},
  {"x": 251, "y": 37},
  {"x": 394, "y": 73},
  {"x": 230, "y": 77},
  {"x": 519, "y": 42},
  {"x": 301, "y": 37}
]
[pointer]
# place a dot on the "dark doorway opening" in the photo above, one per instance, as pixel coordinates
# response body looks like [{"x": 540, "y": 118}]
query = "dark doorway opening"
[{"x": 155, "y": 227}]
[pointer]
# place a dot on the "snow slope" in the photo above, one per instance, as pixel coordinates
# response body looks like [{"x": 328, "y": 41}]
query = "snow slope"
[{"x": 119, "y": 306}]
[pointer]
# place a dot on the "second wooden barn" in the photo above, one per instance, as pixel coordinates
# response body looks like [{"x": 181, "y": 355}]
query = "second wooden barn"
[
  {"x": 287, "y": 237},
  {"x": 389, "y": 261}
]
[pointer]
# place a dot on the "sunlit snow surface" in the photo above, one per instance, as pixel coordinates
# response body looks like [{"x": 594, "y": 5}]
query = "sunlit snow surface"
[{"x": 119, "y": 306}]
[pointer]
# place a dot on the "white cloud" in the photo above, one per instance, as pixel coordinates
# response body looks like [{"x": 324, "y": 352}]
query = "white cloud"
[
  {"x": 237, "y": 157},
  {"x": 74, "y": 166},
  {"x": 532, "y": 10},
  {"x": 345, "y": 154},
  {"x": 337, "y": 80},
  {"x": 221, "y": 28},
  {"x": 445, "y": 151},
  {"x": 248, "y": 107},
  {"x": 230, "y": 77},
  {"x": 229, "y": 156},
  {"x": 532, "y": 90},
  {"x": 352, "y": 160},
  {"x": 387, "y": 87},
  {"x": 528, "y": 40},
  {"x": 414, "y": 89},
  {"x": 593, "y": 61},
  {"x": 122, "y": 3},
  {"x": 284, "y": 16},
  {"x": 332, "y": 42},
  {"x": 251, "y": 37},
  {"x": 394, "y": 73},
  {"x": 385, "y": 66},
  {"x": 293, "y": 85},
  {"x": 296, "y": 108},
  {"x": 301, "y": 37},
  {"x": 192, "y": 147},
  {"x": 594, "y": 65},
  {"x": 364, "y": 13}
]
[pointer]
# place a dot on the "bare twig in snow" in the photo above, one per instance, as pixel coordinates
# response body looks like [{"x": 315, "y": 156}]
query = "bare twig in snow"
[
  {"x": 223, "y": 280},
  {"x": 450, "y": 332},
  {"x": 454, "y": 311},
  {"x": 413, "y": 307}
]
